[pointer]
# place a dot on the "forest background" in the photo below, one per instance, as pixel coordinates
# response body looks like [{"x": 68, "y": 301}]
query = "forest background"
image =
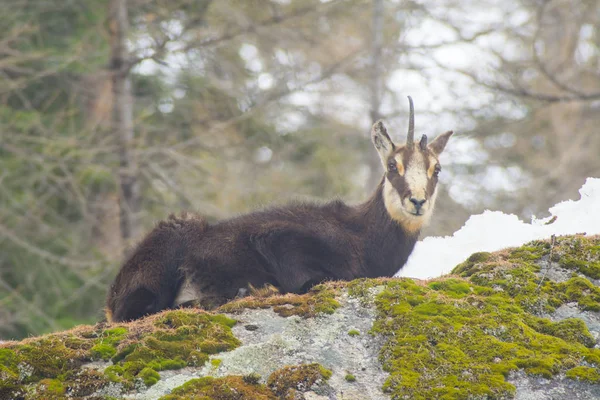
[{"x": 115, "y": 113}]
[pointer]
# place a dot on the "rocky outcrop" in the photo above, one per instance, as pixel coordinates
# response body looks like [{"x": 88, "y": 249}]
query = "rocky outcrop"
[{"x": 520, "y": 323}]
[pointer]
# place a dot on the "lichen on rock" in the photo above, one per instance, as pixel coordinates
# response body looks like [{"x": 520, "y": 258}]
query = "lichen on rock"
[{"x": 286, "y": 383}]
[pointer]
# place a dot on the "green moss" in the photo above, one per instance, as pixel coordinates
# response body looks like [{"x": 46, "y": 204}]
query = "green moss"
[
  {"x": 116, "y": 333},
  {"x": 325, "y": 373},
  {"x": 48, "y": 358},
  {"x": 124, "y": 352},
  {"x": 579, "y": 290},
  {"x": 350, "y": 378},
  {"x": 170, "y": 340},
  {"x": 115, "y": 373},
  {"x": 54, "y": 386},
  {"x": 230, "y": 387},
  {"x": 580, "y": 254},
  {"x": 106, "y": 345},
  {"x": 50, "y": 389},
  {"x": 587, "y": 374},
  {"x": 47, "y": 366},
  {"x": 296, "y": 378},
  {"x": 103, "y": 351},
  {"x": 454, "y": 338},
  {"x": 8, "y": 363},
  {"x": 362, "y": 289},
  {"x": 319, "y": 300},
  {"x": 454, "y": 287},
  {"x": 284, "y": 383},
  {"x": 9, "y": 374},
  {"x": 216, "y": 362},
  {"x": 468, "y": 267},
  {"x": 571, "y": 330},
  {"x": 353, "y": 332},
  {"x": 530, "y": 252},
  {"x": 223, "y": 320},
  {"x": 188, "y": 321},
  {"x": 149, "y": 376},
  {"x": 179, "y": 338}
]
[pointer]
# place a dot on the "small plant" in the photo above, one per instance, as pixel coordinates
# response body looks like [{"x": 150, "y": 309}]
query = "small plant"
[
  {"x": 149, "y": 376},
  {"x": 325, "y": 373},
  {"x": 353, "y": 332},
  {"x": 350, "y": 378},
  {"x": 252, "y": 378}
]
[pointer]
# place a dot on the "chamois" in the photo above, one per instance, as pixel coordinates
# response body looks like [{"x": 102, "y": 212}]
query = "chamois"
[{"x": 292, "y": 247}]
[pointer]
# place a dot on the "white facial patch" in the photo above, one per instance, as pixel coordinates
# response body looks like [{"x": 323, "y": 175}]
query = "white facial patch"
[
  {"x": 402, "y": 210},
  {"x": 415, "y": 176},
  {"x": 396, "y": 210},
  {"x": 186, "y": 293}
]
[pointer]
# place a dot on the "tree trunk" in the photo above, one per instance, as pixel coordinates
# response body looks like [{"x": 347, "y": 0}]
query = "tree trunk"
[
  {"x": 375, "y": 86},
  {"x": 122, "y": 119}
]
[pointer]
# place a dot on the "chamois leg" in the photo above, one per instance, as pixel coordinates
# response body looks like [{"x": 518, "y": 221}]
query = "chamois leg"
[
  {"x": 210, "y": 280},
  {"x": 150, "y": 279},
  {"x": 296, "y": 259},
  {"x": 142, "y": 288},
  {"x": 218, "y": 278}
]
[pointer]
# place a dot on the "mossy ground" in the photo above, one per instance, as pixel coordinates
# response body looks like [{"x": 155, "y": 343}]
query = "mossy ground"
[
  {"x": 459, "y": 338},
  {"x": 49, "y": 366},
  {"x": 320, "y": 299},
  {"x": 227, "y": 388},
  {"x": 284, "y": 383}
]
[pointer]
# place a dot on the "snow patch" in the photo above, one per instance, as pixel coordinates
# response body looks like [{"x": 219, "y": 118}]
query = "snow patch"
[{"x": 494, "y": 230}]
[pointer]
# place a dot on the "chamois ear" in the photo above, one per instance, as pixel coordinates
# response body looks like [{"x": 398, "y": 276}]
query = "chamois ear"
[
  {"x": 439, "y": 143},
  {"x": 382, "y": 142}
]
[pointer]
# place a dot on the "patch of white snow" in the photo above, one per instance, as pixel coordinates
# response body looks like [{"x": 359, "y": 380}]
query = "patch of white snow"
[{"x": 494, "y": 230}]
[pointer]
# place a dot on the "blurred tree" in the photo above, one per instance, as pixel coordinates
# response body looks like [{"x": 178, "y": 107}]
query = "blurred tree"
[
  {"x": 47, "y": 157},
  {"x": 122, "y": 117},
  {"x": 544, "y": 144}
]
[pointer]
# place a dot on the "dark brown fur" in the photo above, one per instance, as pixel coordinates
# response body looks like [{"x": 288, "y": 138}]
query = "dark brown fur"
[
  {"x": 291, "y": 248},
  {"x": 149, "y": 280}
]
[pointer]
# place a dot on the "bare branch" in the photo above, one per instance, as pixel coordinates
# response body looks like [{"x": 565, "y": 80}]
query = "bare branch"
[{"x": 13, "y": 237}]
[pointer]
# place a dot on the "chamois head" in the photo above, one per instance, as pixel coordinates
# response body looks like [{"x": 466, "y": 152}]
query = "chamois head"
[{"x": 409, "y": 184}]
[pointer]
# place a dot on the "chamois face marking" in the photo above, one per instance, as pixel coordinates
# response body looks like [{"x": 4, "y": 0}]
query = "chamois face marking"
[{"x": 409, "y": 187}]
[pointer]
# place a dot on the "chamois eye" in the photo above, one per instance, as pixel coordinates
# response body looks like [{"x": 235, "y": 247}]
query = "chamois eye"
[
  {"x": 392, "y": 167},
  {"x": 437, "y": 170}
]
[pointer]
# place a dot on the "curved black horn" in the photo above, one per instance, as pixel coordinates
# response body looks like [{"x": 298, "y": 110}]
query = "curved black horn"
[{"x": 411, "y": 124}]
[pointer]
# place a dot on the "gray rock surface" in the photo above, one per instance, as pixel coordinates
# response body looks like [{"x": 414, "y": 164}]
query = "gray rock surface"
[
  {"x": 559, "y": 388},
  {"x": 270, "y": 342}
]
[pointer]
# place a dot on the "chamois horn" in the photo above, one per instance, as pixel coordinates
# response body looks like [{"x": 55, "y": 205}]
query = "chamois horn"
[
  {"x": 411, "y": 124},
  {"x": 423, "y": 143}
]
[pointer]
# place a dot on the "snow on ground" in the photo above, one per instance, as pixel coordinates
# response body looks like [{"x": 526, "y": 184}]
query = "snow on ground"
[{"x": 494, "y": 230}]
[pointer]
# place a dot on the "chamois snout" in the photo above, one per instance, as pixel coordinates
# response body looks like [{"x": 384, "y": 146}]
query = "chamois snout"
[{"x": 418, "y": 204}]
